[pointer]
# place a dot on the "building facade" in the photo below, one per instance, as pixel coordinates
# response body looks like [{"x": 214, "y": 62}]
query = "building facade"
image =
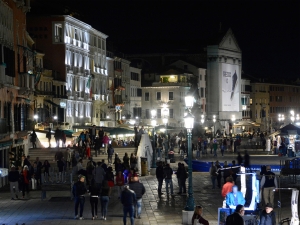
[{"x": 76, "y": 53}]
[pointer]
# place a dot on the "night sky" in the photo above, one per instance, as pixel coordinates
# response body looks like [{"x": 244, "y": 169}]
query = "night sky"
[{"x": 268, "y": 32}]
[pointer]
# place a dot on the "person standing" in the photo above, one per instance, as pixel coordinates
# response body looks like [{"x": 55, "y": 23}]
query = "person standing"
[
  {"x": 268, "y": 184},
  {"x": 94, "y": 195},
  {"x": 128, "y": 198},
  {"x": 48, "y": 136},
  {"x": 268, "y": 216},
  {"x": 226, "y": 171},
  {"x": 213, "y": 174},
  {"x": 237, "y": 217},
  {"x": 105, "y": 192},
  {"x": 120, "y": 181},
  {"x": 133, "y": 161},
  {"x": 168, "y": 172},
  {"x": 33, "y": 138},
  {"x": 215, "y": 147},
  {"x": 57, "y": 136},
  {"x": 139, "y": 191},
  {"x": 181, "y": 176},
  {"x": 198, "y": 216},
  {"x": 239, "y": 159},
  {"x": 25, "y": 178},
  {"x": 159, "y": 177},
  {"x": 13, "y": 178},
  {"x": 78, "y": 191},
  {"x": 105, "y": 141},
  {"x": 97, "y": 146},
  {"x": 93, "y": 134},
  {"x": 219, "y": 173}
]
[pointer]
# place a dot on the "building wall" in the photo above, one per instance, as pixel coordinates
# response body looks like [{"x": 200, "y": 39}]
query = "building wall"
[
  {"x": 224, "y": 58},
  {"x": 245, "y": 99}
]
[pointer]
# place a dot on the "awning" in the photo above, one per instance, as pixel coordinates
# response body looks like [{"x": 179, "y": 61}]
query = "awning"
[{"x": 52, "y": 103}]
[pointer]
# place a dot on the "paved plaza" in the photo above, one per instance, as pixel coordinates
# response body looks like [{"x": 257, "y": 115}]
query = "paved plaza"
[{"x": 58, "y": 208}]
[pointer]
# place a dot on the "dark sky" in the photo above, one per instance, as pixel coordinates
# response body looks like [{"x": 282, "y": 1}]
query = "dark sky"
[{"x": 268, "y": 32}]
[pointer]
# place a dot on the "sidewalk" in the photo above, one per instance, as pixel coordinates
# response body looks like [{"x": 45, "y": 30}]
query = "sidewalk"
[{"x": 154, "y": 210}]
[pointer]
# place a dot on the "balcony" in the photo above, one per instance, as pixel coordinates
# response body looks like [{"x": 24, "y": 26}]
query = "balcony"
[
  {"x": 43, "y": 93},
  {"x": 102, "y": 99},
  {"x": 163, "y": 84}
]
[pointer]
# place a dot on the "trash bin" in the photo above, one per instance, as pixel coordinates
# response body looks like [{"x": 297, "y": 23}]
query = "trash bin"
[{"x": 144, "y": 166}]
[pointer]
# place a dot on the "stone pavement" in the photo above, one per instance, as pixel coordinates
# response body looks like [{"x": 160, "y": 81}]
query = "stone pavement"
[{"x": 57, "y": 208}]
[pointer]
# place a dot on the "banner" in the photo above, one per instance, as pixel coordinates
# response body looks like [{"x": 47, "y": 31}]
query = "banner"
[{"x": 230, "y": 87}]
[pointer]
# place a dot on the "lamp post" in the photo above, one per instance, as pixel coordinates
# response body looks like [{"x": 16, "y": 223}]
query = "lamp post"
[
  {"x": 153, "y": 123},
  {"x": 189, "y": 124},
  {"x": 214, "y": 121}
]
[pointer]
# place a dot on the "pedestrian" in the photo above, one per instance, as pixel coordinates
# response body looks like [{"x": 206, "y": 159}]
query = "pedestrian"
[
  {"x": 25, "y": 179},
  {"x": 219, "y": 174},
  {"x": 268, "y": 184},
  {"x": 213, "y": 174},
  {"x": 126, "y": 160},
  {"x": 247, "y": 160},
  {"x": 133, "y": 161},
  {"x": 223, "y": 149},
  {"x": 110, "y": 178},
  {"x": 211, "y": 145},
  {"x": 237, "y": 217},
  {"x": 110, "y": 152},
  {"x": 226, "y": 171},
  {"x": 105, "y": 193},
  {"x": 57, "y": 136},
  {"x": 198, "y": 216},
  {"x": 227, "y": 187},
  {"x": 48, "y": 136},
  {"x": 94, "y": 195},
  {"x": 234, "y": 198},
  {"x": 128, "y": 198},
  {"x": 239, "y": 159},
  {"x": 234, "y": 170},
  {"x": 99, "y": 175},
  {"x": 93, "y": 134},
  {"x": 63, "y": 138},
  {"x": 160, "y": 178},
  {"x": 39, "y": 166},
  {"x": 105, "y": 141},
  {"x": 215, "y": 147},
  {"x": 88, "y": 149},
  {"x": 268, "y": 216},
  {"x": 79, "y": 191},
  {"x": 97, "y": 145},
  {"x": 120, "y": 181},
  {"x": 181, "y": 176},
  {"x": 46, "y": 166},
  {"x": 168, "y": 172},
  {"x": 13, "y": 178},
  {"x": 33, "y": 138},
  {"x": 139, "y": 191}
]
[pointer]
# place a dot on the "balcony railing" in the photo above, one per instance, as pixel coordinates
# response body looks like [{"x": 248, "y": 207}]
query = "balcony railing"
[{"x": 159, "y": 84}]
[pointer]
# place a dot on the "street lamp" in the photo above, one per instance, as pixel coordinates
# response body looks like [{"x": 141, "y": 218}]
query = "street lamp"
[
  {"x": 55, "y": 118},
  {"x": 214, "y": 120},
  {"x": 189, "y": 124},
  {"x": 153, "y": 123},
  {"x": 292, "y": 116}
]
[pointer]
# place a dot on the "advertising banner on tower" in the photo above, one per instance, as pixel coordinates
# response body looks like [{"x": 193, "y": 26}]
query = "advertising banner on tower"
[{"x": 230, "y": 87}]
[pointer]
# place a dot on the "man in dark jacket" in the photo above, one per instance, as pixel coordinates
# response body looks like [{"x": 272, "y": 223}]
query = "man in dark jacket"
[
  {"x": 99, "y": 175},
  {"x": 139, "y": 190},
  {"x": 181, "y": 176},
  {"x": 78, "y": 191},
  {"x": 168, "y": 172},
  {"x": 268, "y": 216},
  {"x": 13, "y": 178},
  {"x": 159, "y": 177},
  {"x": 128, "y": 198},
  {"x": 237, "y": 217}
]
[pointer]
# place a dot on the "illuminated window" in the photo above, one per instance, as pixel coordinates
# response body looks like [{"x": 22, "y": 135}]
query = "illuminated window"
[{"x": 58, "y": 33}]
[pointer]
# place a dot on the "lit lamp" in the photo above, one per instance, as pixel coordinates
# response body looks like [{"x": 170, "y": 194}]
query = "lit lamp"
[
  {"x": 214, "y": 120},
  {"x": 202, "y": 119},
  {"x": 233, "y": 118},
  {"x": 189, "y": 124},
  {"x": 153, "y": 123},
  {"x": 36, "y": 118},
  {"x": 55, "y": 118},
  {"x": 292, "y": 116}
]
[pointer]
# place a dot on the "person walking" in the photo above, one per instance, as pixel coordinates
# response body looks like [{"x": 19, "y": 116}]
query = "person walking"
[
  {"x": 120, "y": 181},
  {"x": 94, "y": 195},
  {"x": 268, "y": 184},
  {"x": 105, "y": 192},
  {"x": 133, "y": 161},
  {"x": 139, "y": 190},
  {"x": 110, "y": 152},
  {"x": 237, "y": 217},
  {"x": 79, "y": 191},
  {"x": 33, "y": 138},
  {"x": 168, "y": 172},
  {"x": 181, "y": 176},
  {"x": 128, "y": 198},
  {"x": 268, "y": 216},
  {"x": 213, "y": 174},
  {"x": 160, "y": 178},
  {"x": 13, "y": 178}
]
